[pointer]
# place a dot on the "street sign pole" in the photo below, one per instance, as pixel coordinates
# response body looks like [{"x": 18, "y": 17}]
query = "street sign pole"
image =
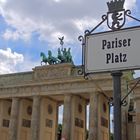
[{"x": 117, "y": 104}]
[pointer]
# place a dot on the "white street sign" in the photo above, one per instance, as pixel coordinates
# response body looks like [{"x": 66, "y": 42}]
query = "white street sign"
[{"x": 110, "y": 51}]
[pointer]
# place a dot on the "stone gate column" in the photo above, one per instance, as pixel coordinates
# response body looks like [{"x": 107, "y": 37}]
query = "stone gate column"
[
  {"x": 137, "y": 101},
  {"x": 48, "y": 119},
  {"x": 78, "y": 118},
  {"x": 13, "y": 127},
  {"x": 124, "y": 115},
  {"x": 66, "y": 130},
  {"x": 35, "y": 118},
  {"x": 93, "y": 116}
]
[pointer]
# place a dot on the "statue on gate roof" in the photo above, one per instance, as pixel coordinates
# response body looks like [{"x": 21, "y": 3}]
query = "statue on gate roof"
[{"x": 63, "y": 55}]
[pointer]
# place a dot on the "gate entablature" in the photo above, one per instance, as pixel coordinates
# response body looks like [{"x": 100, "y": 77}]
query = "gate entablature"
[{"x": 51, "y": 80}]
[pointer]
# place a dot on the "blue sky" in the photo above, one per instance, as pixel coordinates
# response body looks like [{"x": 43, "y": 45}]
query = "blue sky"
[{"x": 30, "y": 27}]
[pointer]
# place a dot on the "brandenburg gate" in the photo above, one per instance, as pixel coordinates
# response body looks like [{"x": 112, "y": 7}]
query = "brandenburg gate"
[{"x": 29, "y": 104}]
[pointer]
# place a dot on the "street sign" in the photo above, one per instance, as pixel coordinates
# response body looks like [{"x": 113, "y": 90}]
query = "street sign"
[{"x": 113, "y": 51}]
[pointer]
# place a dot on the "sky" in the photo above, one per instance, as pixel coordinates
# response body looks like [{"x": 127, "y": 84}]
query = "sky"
[{"x": 28, "y": 27}]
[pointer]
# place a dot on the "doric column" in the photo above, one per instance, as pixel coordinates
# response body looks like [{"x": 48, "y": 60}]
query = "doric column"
[
  {"x": 124, "y": 114},
  {"x": 13, "y": 127},
  {"x": 35, "y": 118},
  {"x": 124, "y": 124},
  {"x": 66, "y": 130},
  {"x": 137, "y": 101},
  {"x": 93, "y": 117}
]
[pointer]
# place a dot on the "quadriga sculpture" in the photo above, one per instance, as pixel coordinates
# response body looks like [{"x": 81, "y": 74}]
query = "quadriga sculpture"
[{"x": 63, "y": 56}]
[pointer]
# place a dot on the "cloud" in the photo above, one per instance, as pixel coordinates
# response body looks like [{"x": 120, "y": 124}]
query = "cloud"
[
  {"x": 16, "y": 35},
  {"x": 9, "y": 60},
  {"x": 47, "y": 18},
  {"x": 136, "y": 74},
  {"x": 130, "y": 4},
  {"x": 27, "y": 65}
]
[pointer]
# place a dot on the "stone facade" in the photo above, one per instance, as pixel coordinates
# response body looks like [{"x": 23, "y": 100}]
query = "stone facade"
[{"x": 32, "y": 100}]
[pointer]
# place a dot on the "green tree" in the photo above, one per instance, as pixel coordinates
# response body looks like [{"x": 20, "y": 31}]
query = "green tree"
[
  {"x": 59, "y": 131},
  {"x": 111, "y": 136}
]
